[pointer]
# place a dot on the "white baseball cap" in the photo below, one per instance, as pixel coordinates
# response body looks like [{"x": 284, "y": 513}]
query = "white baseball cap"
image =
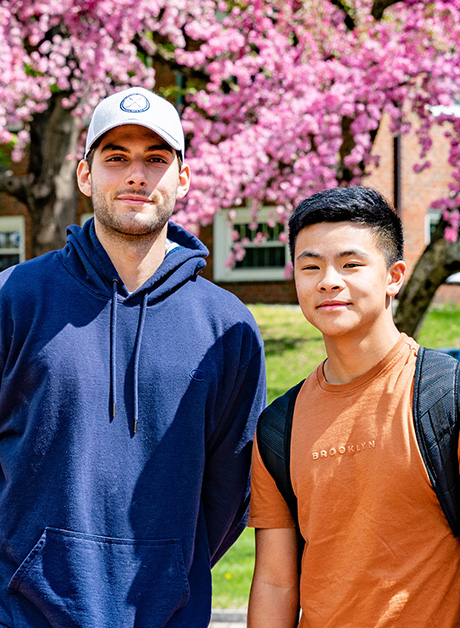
[{"x": 137, "y": 105}]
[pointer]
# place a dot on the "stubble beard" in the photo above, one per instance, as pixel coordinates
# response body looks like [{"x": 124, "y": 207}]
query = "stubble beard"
[{"x": 133, "y": 225}]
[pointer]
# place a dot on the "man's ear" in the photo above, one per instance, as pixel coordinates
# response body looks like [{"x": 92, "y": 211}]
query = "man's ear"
[
  {"x": 184, "y": 181},
  {"x": 396, "y": 275},
  {"x": 84, "y": 177}
]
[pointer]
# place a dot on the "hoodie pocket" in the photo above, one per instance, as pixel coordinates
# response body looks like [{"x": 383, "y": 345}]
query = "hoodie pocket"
[{"x": 85, "y": 581}]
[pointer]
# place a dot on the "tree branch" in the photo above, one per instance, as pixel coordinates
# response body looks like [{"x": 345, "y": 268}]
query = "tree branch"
[
  {"x": 16, "y": 186},
  {"x": 159, "y": 53},
  {"x": 349, "y": 18},
  {"x": 379, "y": 7},
  {"x": 439, "y": 260},
  {"x": 348, "y": 143}
]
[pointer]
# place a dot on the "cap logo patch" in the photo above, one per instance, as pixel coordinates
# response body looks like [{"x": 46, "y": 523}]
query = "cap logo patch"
[{"x": 134, "y": 103}]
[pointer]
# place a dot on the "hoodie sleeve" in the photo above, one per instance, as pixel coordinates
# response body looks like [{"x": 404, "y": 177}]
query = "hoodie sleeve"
[{"x": 226, "y": 484}]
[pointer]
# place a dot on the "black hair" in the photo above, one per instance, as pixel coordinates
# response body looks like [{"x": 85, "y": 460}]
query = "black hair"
[{"x": 361, "y": 205}]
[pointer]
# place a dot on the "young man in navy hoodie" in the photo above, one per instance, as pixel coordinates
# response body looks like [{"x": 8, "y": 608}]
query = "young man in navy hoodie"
[{"x": 130, "y": 387}]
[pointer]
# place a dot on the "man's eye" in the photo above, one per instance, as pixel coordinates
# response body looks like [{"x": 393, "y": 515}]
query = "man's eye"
[{"x": 352, "y": 265}]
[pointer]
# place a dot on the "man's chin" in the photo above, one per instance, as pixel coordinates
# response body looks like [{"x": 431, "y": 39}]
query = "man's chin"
[
  {"x": 133, "y": 224},
  {"x": 139, "y": 231}
]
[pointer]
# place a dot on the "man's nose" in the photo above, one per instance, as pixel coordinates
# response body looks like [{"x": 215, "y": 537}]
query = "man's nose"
[
  {"x": 136, "y": 174},
  {"x": 331, "y": 280}
]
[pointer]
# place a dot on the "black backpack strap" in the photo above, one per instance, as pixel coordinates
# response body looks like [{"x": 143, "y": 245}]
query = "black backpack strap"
[
  {"x": 274, "y": 442},
  {"x": 436, "y": 411}
]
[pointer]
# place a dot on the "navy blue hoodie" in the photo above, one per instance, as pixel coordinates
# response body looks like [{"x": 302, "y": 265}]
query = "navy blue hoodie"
[{"x": 126, "y": 423}]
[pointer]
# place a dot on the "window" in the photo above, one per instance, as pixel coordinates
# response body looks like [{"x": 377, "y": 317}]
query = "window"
[
  {"x": 431, "y": 220},
  {"x": 12, "y": 241},
  {"x": 265, "y": 256}
]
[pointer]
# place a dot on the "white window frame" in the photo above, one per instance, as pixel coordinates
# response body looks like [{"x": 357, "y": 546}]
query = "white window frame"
[
  {"x": 222, "y": 246},
  {"x": 14, "y": 223}
]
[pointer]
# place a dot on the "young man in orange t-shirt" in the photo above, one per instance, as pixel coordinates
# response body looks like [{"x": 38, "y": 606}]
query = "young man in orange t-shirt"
[{"x": 379, "y": 551}]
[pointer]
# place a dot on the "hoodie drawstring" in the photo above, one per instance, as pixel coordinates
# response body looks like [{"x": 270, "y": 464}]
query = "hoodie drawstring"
[
  {"x": 113, "y": 348},
  {"x": 137, "y": 351}
]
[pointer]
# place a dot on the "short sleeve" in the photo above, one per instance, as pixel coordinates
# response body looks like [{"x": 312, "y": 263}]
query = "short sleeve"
[{"x": 267, "y": 508}]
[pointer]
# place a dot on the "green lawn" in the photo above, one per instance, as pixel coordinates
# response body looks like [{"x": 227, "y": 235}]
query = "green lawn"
[{"x": 293, "y": 348}]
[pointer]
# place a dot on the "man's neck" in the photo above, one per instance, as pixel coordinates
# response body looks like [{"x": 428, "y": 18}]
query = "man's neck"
[
  {"x": 350, "y": 357},
  {"x": 135, "y": 258}
]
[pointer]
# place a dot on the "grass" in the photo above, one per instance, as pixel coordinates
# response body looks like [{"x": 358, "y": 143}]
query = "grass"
[
  {"x": 293, "y": 348},
  {"x": 231, "y": 577},
  {"x": 441, "y": 327}
]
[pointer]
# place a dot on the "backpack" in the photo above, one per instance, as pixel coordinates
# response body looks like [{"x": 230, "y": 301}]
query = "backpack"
[{"x": 436, "y": 410}]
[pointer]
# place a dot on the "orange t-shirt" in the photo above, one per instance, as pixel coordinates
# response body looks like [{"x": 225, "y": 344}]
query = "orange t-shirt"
[{"x": 379, "y": 551}]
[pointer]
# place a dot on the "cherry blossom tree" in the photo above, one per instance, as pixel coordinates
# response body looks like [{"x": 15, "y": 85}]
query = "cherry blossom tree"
[
  {"x": 281, "y": 98},
  {"x": 58, "y": 58},
  {"x": 296, "y": 95}
]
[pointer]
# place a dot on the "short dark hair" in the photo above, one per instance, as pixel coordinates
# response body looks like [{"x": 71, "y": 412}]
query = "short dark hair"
[{"x": 361, "y": 205}]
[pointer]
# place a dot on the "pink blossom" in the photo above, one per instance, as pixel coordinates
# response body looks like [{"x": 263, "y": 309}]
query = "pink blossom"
[
  {"x": 288, "y": 271},
  {"x": 451, "y": 234}
]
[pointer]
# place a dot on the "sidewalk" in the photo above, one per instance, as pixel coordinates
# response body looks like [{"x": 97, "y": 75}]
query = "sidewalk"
[{"x": 228, "y": 619}]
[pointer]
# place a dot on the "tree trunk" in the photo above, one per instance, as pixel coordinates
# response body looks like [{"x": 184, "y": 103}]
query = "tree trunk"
[
  {"x": 49, "y": 188},
  {"x": 439, "y": 260}
]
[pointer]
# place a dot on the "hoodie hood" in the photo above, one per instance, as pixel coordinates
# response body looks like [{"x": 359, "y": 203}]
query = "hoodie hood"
[{"x": 86, "y": 259}]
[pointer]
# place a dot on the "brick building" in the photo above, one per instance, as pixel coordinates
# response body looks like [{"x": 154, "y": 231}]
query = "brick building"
[
  {"x": 260, "y": 276},
  {"x": 411, "y": 193}
]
